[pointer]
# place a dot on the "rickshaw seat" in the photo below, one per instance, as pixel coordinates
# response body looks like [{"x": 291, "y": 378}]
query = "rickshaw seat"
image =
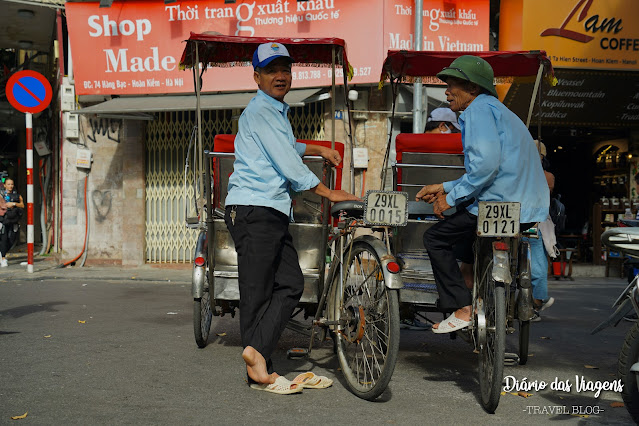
[
  {"x": 226, "y": 144},
  {"x": 422, "y": 159},
  {"x": 307, "y": 230}
]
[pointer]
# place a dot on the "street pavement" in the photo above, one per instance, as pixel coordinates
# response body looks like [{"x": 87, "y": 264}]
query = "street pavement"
[{"x": 110, "y": 345}]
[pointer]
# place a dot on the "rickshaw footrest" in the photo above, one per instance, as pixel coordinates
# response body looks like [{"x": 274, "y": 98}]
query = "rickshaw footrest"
[{"x": 297, "y": 353}]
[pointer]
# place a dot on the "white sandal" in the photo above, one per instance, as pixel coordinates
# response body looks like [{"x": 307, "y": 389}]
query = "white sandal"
[
  {"x": 450, "y": 324},
  {"x": 282, "y": 386}
]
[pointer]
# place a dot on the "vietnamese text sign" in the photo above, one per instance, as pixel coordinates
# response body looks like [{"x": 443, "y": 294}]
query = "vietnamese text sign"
[
  {"x": 595, "y": 34},
  {"x": 134, "y": 47}
]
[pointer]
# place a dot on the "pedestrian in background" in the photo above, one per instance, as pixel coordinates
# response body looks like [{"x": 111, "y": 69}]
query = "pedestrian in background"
[{"x": 9, "y": 221}]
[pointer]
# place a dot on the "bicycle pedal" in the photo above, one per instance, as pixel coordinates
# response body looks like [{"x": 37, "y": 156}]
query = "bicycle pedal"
[
  {"x": 297, "y": 353},
  {"x": 511, "y": 359}
]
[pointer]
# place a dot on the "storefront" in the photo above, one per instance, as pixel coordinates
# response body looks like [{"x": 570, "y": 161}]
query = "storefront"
[
  {"x": 129, "y": 58},
  {"x": 592, "y": 114}
]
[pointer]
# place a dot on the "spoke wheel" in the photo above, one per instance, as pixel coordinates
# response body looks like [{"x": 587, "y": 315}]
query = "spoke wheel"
[
  {"x": 627, "y": 357},
  {"x": 367, "y": 340},
  {"x": 202, "y": 316},
  {"x": 493, "y": 346}
]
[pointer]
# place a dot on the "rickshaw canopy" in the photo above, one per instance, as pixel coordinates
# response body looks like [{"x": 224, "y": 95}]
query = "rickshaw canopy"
[
  {"x": 407, "y": 64},
  {"x": 225, "y": 50}
]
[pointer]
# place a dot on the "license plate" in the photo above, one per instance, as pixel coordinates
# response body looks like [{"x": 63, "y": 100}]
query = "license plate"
[
  {"x": 498, "y": 219},
  {"x": 386, "y": 208}
]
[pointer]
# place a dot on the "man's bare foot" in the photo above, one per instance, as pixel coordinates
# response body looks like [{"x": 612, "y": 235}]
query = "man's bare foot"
[
  {"x": 461, "y": 313},
  {"x": 256, "y": 366}
]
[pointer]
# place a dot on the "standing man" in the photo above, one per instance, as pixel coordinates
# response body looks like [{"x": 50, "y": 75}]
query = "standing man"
[
  {"x": 501, "y": 164},
  {"x": 268, "y": 165}
]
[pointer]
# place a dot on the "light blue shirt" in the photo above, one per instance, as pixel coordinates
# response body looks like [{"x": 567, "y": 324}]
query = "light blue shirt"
[
  {"x": 268, "y": 160},
  {"x": 501, "y": 161}
]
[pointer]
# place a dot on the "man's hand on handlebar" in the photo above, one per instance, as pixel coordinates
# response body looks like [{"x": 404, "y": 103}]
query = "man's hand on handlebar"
[
  {"x": 334, "y": 195},
  {"x": 429, "y": 193},
  {"x": 331, "y": 156}
]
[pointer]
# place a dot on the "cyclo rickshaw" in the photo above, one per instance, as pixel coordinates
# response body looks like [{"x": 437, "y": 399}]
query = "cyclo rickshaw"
[
  {"x": 354, "y": 297},
  {"x": 502, "y": 293}
]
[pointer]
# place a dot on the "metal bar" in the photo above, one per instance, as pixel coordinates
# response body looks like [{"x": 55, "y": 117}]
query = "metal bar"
[
  {"x": 198, "y": 112},
  {"x": 428, "y": 166},
  {"x": 417, "y": 87},
  {"x": 312, "y": 158},
  {"x": 410, "y": 185},
  {"x": 350, "y": 129},
  {"x": 540, "y": 93},
  {"x": 535, "y": 90},
  {"x": 333, "y": 97}
]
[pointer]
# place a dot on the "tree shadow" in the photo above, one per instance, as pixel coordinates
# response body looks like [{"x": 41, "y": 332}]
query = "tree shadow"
[{"x": 21, "y": 311}]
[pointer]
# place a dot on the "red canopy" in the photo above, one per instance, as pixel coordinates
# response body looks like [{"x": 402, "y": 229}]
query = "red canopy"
[
  {"x": 224, "y": 50},
  {"x": 411, "y": 63}
]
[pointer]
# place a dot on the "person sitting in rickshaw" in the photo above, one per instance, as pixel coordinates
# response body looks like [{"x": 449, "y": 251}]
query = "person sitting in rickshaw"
[
  {"x": 501, "y": 164},
  {"x": 268, "y": 165}
]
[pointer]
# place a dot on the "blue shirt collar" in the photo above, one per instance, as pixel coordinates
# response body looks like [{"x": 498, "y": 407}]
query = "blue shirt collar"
[{"x": 281, "y": 106}]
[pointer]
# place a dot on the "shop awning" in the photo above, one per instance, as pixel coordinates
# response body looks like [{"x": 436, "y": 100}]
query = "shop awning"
[{"x": 135, "y": 107}]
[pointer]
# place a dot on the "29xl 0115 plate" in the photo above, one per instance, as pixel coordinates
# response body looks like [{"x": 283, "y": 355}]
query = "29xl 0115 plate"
[{"x": 386, "y": 208}]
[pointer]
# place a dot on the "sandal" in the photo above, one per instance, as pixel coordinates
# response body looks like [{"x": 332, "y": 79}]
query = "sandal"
[
  {"x": 450, "y": 324},
  {"x": 282, "y": 386},
  {"x": 311, "y": 381}
]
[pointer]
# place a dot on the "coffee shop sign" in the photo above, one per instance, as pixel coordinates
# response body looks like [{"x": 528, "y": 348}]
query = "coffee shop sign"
[{"x": 593, "y": 24}]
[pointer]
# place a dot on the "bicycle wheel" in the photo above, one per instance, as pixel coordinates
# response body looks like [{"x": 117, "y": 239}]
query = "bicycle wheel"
[
  {"x": 492, "y": 346},
  {"x": 202, "y": 316},
  {"x": 524, "y": 337},
  {"x": 367, "y": 340}
]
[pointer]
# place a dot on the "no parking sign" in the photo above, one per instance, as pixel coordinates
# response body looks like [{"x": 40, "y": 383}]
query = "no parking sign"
[{"x": 29, "y": 91}]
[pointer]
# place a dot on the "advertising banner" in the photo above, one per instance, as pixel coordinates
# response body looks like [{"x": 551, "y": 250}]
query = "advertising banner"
[
  {"x": 578, "y": 97},
  {"x": 134, "y": 47},
  {"x": 590, "y": 34}
]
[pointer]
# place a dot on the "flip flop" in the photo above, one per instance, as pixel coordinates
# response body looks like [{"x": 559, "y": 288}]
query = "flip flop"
[
  {"x": 282, "y": 386},
  {"x": 311, "y": 381},
  {"x": 450, "y": 324}
]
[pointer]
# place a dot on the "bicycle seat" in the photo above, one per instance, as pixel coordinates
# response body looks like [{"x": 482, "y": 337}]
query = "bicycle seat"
[{"x": 352, "y": 208}]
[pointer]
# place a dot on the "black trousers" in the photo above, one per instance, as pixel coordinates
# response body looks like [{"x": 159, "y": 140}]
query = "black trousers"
[
  {"x": 270, "y": 278},
  {"x": 7, "y": 238},
  {"x": 455, "y": 234}
]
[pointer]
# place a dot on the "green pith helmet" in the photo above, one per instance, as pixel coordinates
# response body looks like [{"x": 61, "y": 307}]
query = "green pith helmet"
[{"x": 473, "y": 69}]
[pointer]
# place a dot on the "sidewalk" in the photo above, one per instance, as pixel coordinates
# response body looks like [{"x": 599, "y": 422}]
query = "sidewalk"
[{"x": 46, "y": 267}]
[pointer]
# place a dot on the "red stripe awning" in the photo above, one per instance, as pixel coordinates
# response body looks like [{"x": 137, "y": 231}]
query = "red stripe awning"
[
  {"x": 224, "y": 50},
  {"x": 410, "y": 63}
]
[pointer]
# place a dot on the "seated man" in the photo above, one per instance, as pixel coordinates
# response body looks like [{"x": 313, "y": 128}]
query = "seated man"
[{"x": 501, "y": 164}]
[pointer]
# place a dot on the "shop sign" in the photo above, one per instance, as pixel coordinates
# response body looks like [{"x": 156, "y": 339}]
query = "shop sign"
[
  {"x": 586, "y": 34},
  {"x": 134, "y": 47},
  {"x": 583, "y": 99}
]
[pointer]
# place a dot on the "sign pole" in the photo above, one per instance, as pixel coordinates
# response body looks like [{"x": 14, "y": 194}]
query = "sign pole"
[
  {"x": 30, "y": 233},
  {"x": 29, "y": 92}
]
